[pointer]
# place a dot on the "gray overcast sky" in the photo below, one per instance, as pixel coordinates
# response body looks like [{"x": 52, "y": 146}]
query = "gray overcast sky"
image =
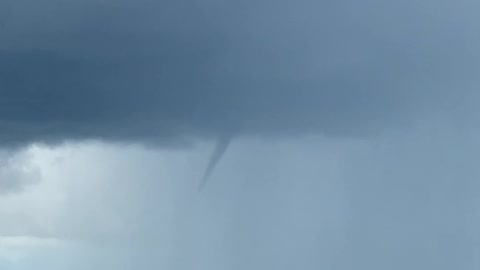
[
  {"x": 355, "y": 122},
  {"x": 173, "y": 71}
]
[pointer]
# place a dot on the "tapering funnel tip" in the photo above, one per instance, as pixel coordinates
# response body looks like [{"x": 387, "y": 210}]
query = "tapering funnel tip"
[{"x": 220, "y": 148}]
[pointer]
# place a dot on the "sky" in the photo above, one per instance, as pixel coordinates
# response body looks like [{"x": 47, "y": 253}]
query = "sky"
[{"x": 353, "y": 125}]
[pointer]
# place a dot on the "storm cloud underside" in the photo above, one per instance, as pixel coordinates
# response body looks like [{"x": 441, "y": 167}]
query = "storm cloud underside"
[
  {"x": 173, "y": 71},
  {"x": 402, "y": 74}
]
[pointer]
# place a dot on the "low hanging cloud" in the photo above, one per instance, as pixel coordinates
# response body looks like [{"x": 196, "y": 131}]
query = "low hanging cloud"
[
  {"x": 171, "y": 71},
  {"x": 17, "y": 172}
]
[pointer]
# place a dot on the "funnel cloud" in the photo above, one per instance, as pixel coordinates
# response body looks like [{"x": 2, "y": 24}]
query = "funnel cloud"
[
  {"x": 355, "y": 123},
  {"x": 220, "y": 148}
]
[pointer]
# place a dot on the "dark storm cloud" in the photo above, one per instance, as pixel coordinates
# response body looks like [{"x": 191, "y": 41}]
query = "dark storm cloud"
[{"x": 172, "y": 70}]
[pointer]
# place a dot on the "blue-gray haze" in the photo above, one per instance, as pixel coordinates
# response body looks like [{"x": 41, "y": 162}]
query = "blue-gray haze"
[{"x": 390, "y": 86}]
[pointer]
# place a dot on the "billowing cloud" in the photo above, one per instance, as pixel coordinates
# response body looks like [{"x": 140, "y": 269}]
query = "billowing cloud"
[
  {"x": 170, "y": 71},
  {"x": 17, "y": 171}
]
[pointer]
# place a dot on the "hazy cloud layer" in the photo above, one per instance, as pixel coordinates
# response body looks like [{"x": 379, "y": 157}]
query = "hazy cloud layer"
[
  {"x": 172, "y": 70},
  {"x": 406, "y": 201}
]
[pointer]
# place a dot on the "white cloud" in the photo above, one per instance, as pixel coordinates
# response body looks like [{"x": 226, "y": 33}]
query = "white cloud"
[{"x": 17, "y": 171}]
